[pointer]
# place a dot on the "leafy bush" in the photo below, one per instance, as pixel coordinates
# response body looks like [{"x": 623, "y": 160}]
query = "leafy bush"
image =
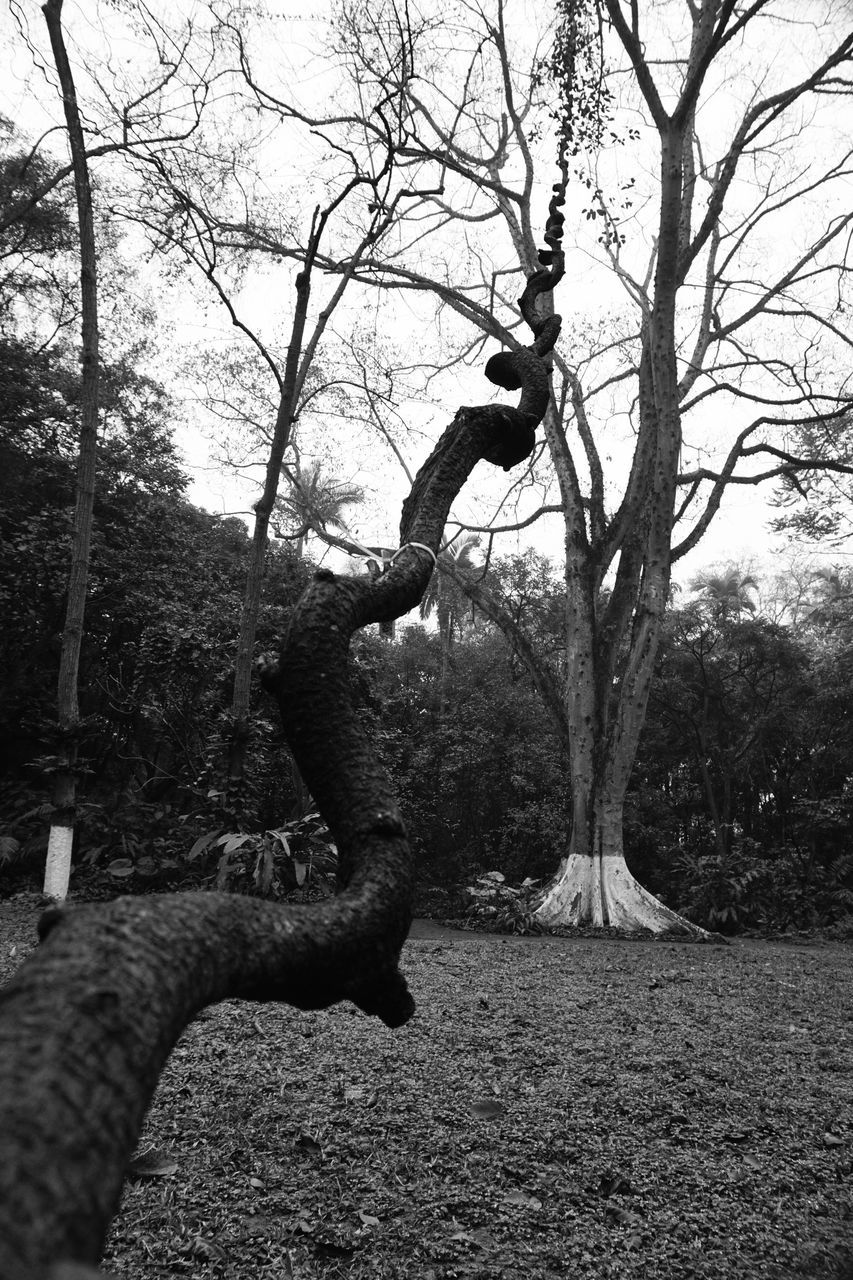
[
  {"x": 297, "y": 858},
  {"x": 787, "y": 887},
  {"x": 502, "y": 908},
  {"x": 808, "y": 893},
  {"x": 726, "y": 893}
]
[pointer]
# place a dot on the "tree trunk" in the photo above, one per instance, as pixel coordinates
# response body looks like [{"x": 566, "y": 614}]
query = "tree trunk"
[
  {"x": 296, "y": 367},
  {"x": 593, "y": 887},
  {"x": 240, "y": 727},
  {"x": 58, "y": 863}
]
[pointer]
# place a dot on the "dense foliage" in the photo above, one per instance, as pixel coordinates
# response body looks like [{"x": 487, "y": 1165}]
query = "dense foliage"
[
  {"x": 740, "y": 812},
  {"x": 742, "y": 801},
  {"x": 161, "y": 622}
]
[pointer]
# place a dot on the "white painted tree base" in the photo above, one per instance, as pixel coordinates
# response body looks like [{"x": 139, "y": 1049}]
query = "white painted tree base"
[
  {"x": 600, "y": 892},
  {"x": 57, "y": 868}
]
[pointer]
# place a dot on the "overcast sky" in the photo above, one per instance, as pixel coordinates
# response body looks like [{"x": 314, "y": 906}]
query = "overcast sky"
[{"x": 739, "y": 533}]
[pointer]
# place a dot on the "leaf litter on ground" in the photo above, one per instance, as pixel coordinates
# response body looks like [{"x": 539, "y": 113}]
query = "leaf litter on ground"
[{"x": 557, "y": 1107}]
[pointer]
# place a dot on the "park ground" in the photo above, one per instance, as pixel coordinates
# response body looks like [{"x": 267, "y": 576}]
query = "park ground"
[{"x": 557, "y": 1107}]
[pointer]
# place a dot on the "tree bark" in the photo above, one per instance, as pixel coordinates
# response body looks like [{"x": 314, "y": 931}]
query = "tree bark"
[
  {"x": 594, "y": 888},
  {"x": 88, "y": 1022},
  {"x": 60, "y": 840}
]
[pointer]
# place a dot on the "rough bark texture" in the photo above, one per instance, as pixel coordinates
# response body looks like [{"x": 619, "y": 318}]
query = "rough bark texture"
[
  {"x": 58, "y": 865},
  {"x": 89, "y": 1021}
]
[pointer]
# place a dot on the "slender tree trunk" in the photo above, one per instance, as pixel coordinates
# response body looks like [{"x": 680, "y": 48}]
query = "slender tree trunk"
[
  {"x": 240, "y": 724},
  {"x": 295, "y": 371},
  {"x": 445, "y": 635},
  {"x": 58, "y": 864},
  {"x": 713, "y": 808}
]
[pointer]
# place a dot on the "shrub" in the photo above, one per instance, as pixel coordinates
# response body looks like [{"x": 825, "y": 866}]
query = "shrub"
[
  {"x": 298, "y": 858},
  {"x": 748, "y": 887},
  {"x": 500, "y": 907},
  {"x": 724, "y": 892}
]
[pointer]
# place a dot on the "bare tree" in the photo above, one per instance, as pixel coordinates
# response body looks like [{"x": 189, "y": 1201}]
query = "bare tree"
[
  {"x": 37, "y": 183},
  {"x": 87, "y": 1023},
  {"x": 207, "y": 203},
  {"x": 58, "y": 863},
  {"x": 726, "y": 315}
]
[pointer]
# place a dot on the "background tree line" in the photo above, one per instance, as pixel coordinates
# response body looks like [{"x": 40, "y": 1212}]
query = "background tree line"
[
  {"x": 154, "y": 732},
  {"x": 740, "y": 809}
]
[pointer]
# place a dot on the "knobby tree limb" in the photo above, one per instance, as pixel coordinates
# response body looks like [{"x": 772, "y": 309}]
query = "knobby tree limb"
[{"x": 88, "y": 1022}]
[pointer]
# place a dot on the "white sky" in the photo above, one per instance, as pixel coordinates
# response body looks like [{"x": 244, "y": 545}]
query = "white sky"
[{"x": 740, "y": 531}]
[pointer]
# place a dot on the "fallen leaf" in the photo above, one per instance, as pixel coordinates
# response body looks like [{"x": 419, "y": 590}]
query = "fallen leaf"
[
  {"x": 152, "y": 1164},
  {"x": 487, "y": 1108},
  {"x": 522, "y": 1200},
  {"x": 120, "y": 868},
  {"x": 309, "y": 1144},
  {"x": 618, "y": 1217},
  {"x": 479, "y": 1237}
]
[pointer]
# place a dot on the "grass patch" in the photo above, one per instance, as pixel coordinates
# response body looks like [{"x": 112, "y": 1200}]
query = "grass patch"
[{"x": 584, "y": 1108}]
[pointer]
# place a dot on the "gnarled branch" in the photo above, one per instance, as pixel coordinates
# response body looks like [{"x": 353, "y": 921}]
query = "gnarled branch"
[{"x": 88, "y": 1022}]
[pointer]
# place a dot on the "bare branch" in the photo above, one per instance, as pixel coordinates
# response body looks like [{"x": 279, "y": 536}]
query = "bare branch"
[{"x": 754, "y": 122}]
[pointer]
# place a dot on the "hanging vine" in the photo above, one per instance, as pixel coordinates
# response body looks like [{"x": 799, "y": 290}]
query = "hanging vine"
[{"x": 576, "y": 72}]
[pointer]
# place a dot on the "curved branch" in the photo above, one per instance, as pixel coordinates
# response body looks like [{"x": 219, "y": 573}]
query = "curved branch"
[
  {"x": 789, "y": 465},
  {"x": 87, "y": 1023},
  {"x": 548, "y": 509}
]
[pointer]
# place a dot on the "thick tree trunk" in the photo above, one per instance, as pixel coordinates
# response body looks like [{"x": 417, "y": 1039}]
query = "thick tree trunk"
[
  {"x": 58, "y": 864},
  {"x": 593, "y": 887}
]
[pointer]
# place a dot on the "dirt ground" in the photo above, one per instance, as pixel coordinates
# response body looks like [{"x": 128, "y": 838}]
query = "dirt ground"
[{"x": 591, "y": 1108}]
